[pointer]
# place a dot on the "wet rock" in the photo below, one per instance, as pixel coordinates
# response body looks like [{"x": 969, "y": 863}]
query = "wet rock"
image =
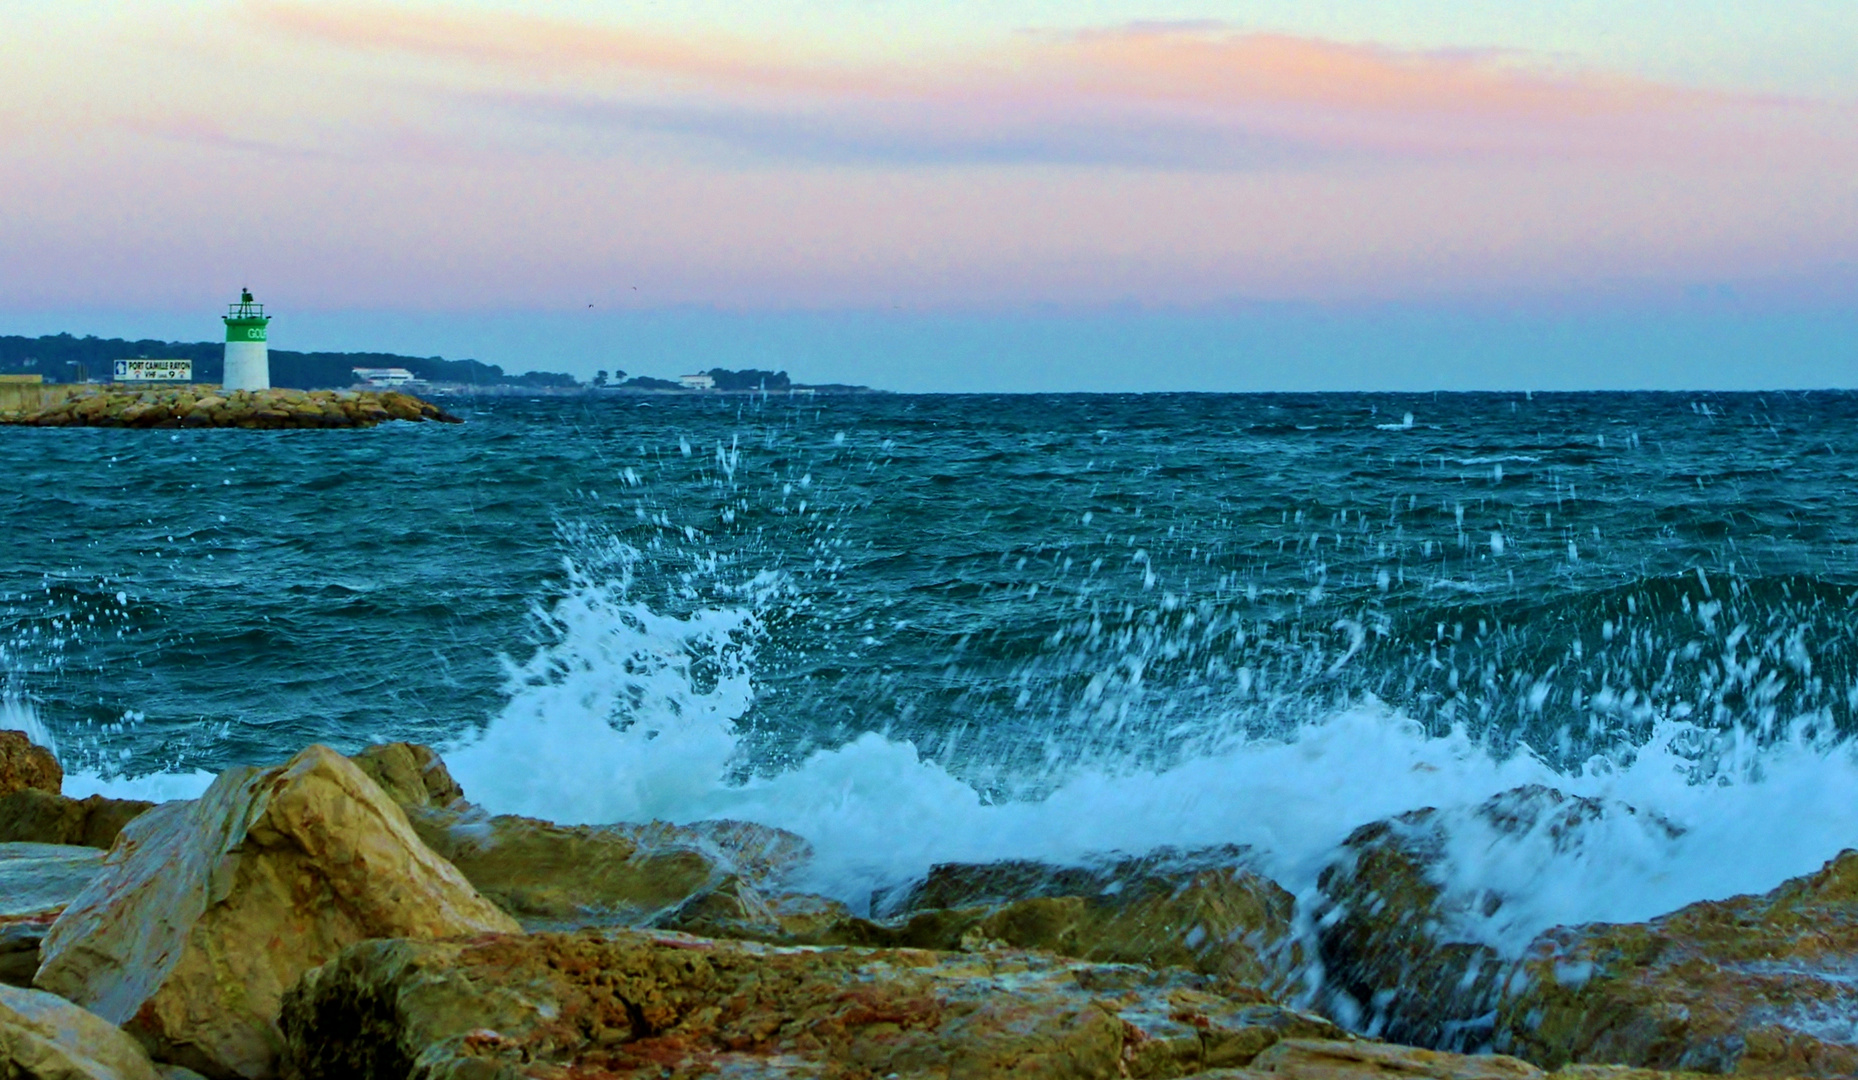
[
  {"x": 37, "y": 881},
  {"x": 410, "y": 774},
  {"x": 207, "y": 910},
  {"x": 1619, "y": 1073},
  {"x": 44, "y": 1037},
  {"x": 1400, "y": 946},
  {"x": 36, "y": 816},
  {"x": 1763, "y": 985},
  {"x": 1329, "y": 1059},
  {"x": 629, "y": 1004},
  {"x": 738, "y": 911},
  {"x": 24, "y": 765},
  {"x": 564, "y": 876},
  {"x": 1204, "y": 910}
]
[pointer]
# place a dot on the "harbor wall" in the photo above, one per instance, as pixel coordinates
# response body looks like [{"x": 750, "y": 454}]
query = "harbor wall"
[{"x": 32, "y": 396}]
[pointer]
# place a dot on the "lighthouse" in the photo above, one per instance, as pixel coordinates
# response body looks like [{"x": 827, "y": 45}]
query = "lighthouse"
[{"x": 248, "y": 360}]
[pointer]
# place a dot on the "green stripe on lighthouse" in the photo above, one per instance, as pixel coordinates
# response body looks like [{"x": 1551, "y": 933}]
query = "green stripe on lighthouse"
[{"x": 245, "y": 329}]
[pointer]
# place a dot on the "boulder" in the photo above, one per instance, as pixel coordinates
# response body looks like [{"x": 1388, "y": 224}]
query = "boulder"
[
  {"x": 207, "y": 910},
  {"x": 561, "y": 877},
  {"x": 565, "y": 876},
  {"x": 1203, "y": 910},
  {"x": 410, "y": 774},
  {"x": 24, "y": 765},
  {"x": 37, "y": 881},
  {"x": 35, "y": 816},
  {"x": 1762, "y": 985},
  {"x": 44, "y": 1037},
  {"x": 737, "y": 910},
  {"x": 620, "y": 1003},
  {"x": 1399, "y": 948},
  {"x": 1332, "y": 1059}
]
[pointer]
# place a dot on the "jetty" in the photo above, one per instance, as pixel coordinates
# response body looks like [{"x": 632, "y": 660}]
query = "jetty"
[{"x": 207, "y": 406}]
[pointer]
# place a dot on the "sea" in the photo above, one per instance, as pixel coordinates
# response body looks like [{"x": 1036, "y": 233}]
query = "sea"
[{"x": 923, "y": 629}]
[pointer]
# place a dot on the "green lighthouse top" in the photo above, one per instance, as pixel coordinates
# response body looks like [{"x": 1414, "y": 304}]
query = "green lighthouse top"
[{"x": 245, "y": 320}]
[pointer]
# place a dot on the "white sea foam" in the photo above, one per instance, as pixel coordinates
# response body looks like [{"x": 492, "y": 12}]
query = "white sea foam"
[
  {"x": 152, "y": 787},
  {"x": 606, "y": 722},
  {"x": 625, "y": 713}
]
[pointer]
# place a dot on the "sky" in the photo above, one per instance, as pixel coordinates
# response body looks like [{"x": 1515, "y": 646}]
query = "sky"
[{"x": 1016, "y": 195}]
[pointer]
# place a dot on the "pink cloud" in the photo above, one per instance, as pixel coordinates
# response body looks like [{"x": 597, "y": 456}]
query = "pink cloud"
[
  {"x": 1160, "y": 85},
  {"x": 444, "y": 159}
]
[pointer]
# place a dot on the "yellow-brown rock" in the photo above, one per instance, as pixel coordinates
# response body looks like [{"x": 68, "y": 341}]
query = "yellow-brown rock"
[
  {"x": 170, "y": 407},
  {"x": 1391, "y": 935},
  {"x": 44, "y": 1037},
  {"x": 25, "y": 765},
  {"x": 564, "y": 876},
  {"x": 34, "y": 816},
  {"x": 1756, "y": 985},
  {"x": 410, "y": 774},
  {"x": 1331, "y": 1059},
  {"x": 1204, "y": 910},
  {"x": 207, "y": 911},
  {"x": 620, "y": 1004}
]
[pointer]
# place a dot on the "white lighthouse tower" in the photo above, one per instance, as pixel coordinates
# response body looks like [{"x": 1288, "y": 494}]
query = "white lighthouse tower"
[{"x": 248, "y": 358}]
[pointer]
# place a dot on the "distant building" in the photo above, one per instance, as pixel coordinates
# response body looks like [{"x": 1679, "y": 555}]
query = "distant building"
[
  {"x": 697, "y": 382},
  {"x": 384, "y": 377}
]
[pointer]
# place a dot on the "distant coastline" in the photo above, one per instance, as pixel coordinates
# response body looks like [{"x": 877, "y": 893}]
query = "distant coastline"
[{"x": 66, "y": 358}]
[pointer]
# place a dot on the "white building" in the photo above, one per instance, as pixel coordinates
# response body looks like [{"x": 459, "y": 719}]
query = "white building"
[
  {"x": 697, "y": 382},
  {"x": 383, "y": 377}
]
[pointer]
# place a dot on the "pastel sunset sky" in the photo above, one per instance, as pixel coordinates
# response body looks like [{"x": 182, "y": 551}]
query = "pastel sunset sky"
[{"x": 1021, "y": 194}]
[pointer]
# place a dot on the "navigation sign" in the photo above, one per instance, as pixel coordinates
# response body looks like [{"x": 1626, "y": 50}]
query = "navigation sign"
[{"x": 154, "y": 371}]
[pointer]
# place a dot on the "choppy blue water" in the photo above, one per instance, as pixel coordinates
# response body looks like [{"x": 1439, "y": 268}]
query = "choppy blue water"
[{"x": 923, "y": 628}]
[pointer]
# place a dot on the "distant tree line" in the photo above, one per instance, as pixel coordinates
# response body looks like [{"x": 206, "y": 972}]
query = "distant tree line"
[
  {"x": 750, "y": 379},
  {"x": 59, "y": 357},
  {"x": 65, "y": 358}
]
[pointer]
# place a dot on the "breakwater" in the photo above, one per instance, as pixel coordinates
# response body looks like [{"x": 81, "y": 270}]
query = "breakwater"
[{"x": 199, "y": 406}]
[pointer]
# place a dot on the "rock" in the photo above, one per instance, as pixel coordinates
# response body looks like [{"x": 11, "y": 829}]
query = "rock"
[
  {"x": 36, "y": 816},
  {"x": 1329, "y": 1059},
  {"x": 561, "y": 876},
  {"x": 1762, "y": 985},
  {"x": 207, "y": 910},
  {"x": 410, "y": 774},
  {"x": 1203, "y": 910},
  {"x": 621, "y": 1003},
  {"x": 1397, "y": 944},
  {"x": 37, "y": 881},
  {"x": 738, "y": 911},
  {"x": 24, "y": 765},
  {"x": 1619, "y": 1072},
  {"x": 44, "y": 1037}
]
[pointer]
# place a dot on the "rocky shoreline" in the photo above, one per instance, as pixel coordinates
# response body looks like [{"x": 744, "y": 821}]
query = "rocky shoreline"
[
  {"x": 357, "y": 917},
  {"x": 212, "y": 407}
]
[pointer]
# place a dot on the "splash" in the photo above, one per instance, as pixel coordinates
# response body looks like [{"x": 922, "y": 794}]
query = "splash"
[
  {"x": 18, "y": 714},
  {"x": 624, "y": 713}
]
